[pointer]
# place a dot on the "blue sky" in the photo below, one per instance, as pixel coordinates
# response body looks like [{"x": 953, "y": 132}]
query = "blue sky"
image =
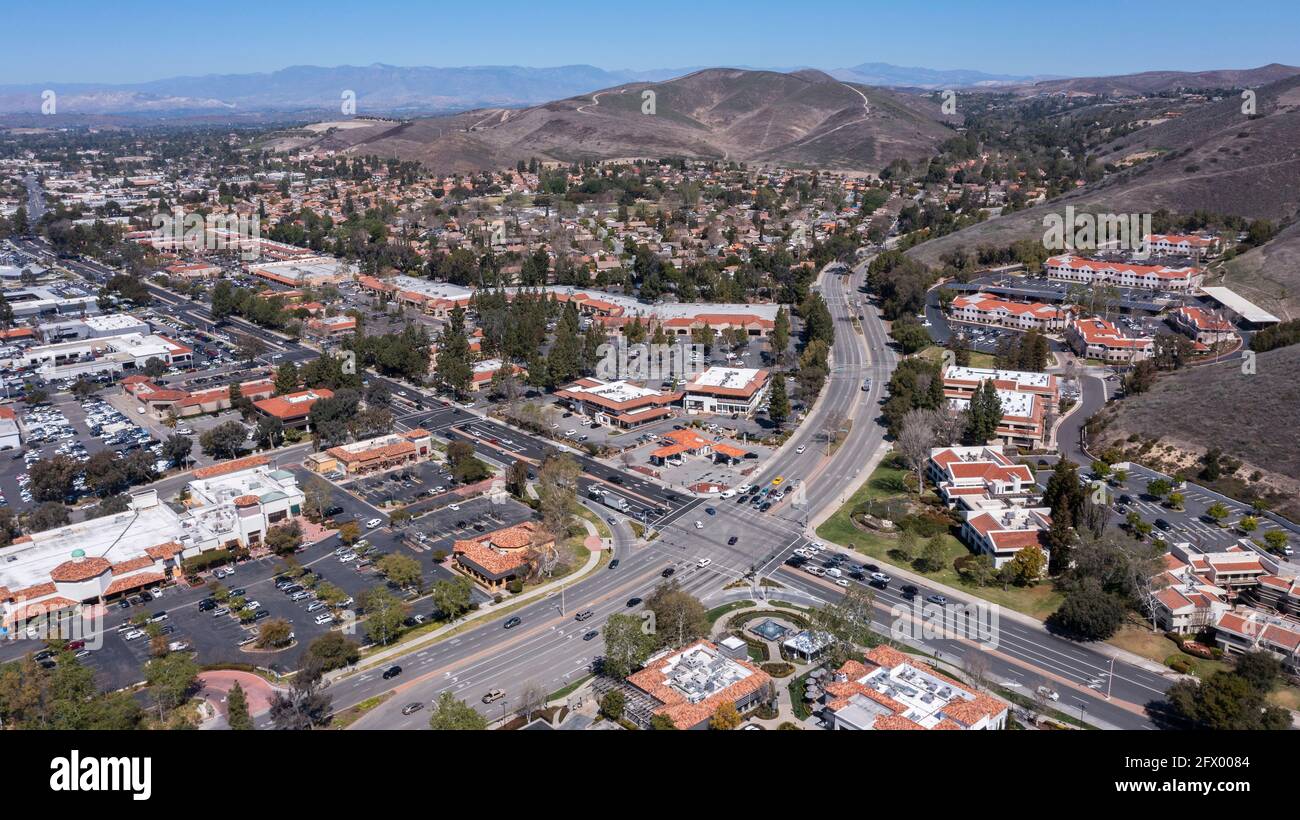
[{"x": 131, "y": 40}]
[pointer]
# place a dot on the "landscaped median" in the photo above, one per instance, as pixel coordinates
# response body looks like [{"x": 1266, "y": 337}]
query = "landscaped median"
[{"x": 430, "y": 634}]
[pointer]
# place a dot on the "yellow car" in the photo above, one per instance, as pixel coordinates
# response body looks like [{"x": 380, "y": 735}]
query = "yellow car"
[{"x": 777, "y": 481}]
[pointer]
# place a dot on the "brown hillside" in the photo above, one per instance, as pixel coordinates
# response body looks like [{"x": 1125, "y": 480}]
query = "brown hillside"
[
  {"x": 802, "y": 119},
  {"x": 1253, "y": 418}
]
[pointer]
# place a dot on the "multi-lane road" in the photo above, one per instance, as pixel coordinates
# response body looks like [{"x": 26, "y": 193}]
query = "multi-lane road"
[{"x": 546, "y": 650}]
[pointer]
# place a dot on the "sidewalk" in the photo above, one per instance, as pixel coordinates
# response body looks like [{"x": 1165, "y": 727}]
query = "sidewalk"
[
  {"x": 484, "y": 612},
  {"x": 1004, "y": 612}
]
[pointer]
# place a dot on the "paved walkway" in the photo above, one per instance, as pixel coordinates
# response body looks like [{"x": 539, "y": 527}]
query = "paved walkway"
[{"x": 215, "y": 685}]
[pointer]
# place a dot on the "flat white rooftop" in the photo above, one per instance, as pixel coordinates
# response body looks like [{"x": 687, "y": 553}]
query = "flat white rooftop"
[
  {"x": 1021, "y": 377},
  {"x": 1241, "y": 306},
  {"x": 433, "y": 290},
  {"x": 619, "y": 391},
  {"x": 1014, "y": 403},
  {"x": 119, "y": 537},
  {"x": 730, "y": 377}
]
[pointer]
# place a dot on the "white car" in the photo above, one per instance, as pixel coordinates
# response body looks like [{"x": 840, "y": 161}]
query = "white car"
[
  {"x": 454, "y": 507},
  {"x": 704, "y": 562},
  {"x": 374, "y": 522},
  {"x": 699, "y": 525},
  {"x": 347, "y": 557},
  {"x": 1050, "y": 694},
  {"x": 817, "y": 545},
  {"x": 801, "y": 449},
  {"x": 324, "y": 619},
  {"x": 844, "y": 582},
  {"x": 133, "y": 635}
]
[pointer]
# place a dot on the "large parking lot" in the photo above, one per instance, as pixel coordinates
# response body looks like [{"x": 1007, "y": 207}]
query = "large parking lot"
[{"x": 72, "y": 428}]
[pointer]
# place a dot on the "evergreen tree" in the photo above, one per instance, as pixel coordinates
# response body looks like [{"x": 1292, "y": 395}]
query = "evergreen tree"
[
  {"x": 237, "y": 716},
  {"x": 778, "y": 403},
  {"x": 453, "y": 368}
]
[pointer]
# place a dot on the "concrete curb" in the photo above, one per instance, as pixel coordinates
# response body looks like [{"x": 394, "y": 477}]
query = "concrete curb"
[{"x": 484, "y": 612}]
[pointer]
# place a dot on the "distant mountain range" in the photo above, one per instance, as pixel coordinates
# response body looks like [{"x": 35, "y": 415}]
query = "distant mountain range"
[
  {"x": 386, "y": 89},
  {"x": 379, "y": 89},
  {"x": 410, "y": 90},
  {"x": 929, "y": 78}
]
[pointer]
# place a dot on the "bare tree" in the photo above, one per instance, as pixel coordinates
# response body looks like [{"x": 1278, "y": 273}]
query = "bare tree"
[
  {"x": 915, "y": 440},
  {"x": 531, "y": 700}
]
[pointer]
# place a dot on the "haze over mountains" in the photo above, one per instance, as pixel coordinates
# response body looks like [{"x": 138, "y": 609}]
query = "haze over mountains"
[
  {"x": 407, "y": 90},
  {"x": 386, "y": 89}
]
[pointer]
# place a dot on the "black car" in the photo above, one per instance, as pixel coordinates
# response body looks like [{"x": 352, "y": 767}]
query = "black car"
[
  {"x": 668, "y": 573},
  {"x": 333, "y": 511},
  {"x": 593, "y": 633},
  {"x": 392, "y": 672},
  {"x": 513, "y": 622},
  {"x": 239, "y": 593},
  {"x": 124, "y": 604},
  {"x": 146, "y": 597},
  {"x": 766, "y": 505},
  {"x": 633, "y": 601},
  {"x": 909, "y": 592},
  {"x": 731, "y": 542},
  {"x": 260, "y": 614},
  {"x": 616, "y": 479},
  {"x": 613, "y": 564},
  {"x": 1163, "y": 524}
]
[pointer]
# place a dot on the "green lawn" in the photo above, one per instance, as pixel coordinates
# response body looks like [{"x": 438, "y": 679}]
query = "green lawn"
[
  {"x": 977, "y": 359},
  {"x": 887, "y": 483},
  {"x": 718, "y": 611}
]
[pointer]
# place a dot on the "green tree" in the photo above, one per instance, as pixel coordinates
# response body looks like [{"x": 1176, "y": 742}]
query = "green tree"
[
  {"x": 453, "y": 369},
  {"x": 402, "y": 570},
  {"x": 451, "y": 715},
  {"x": 452, "y": 597},
  {"x": 679, "y": 616},
  {"x": 613, "y": 703},
  {"x": 626, "y": 645},
  {"x": 223, "y": 441},
  {"x": 384, "y": 615},
  {"x": 1089, "y": 614},
  {"x": 334, "y": 650},
  {"x": 237, "y": 716},
  {"x": 778, "y": 403}
]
